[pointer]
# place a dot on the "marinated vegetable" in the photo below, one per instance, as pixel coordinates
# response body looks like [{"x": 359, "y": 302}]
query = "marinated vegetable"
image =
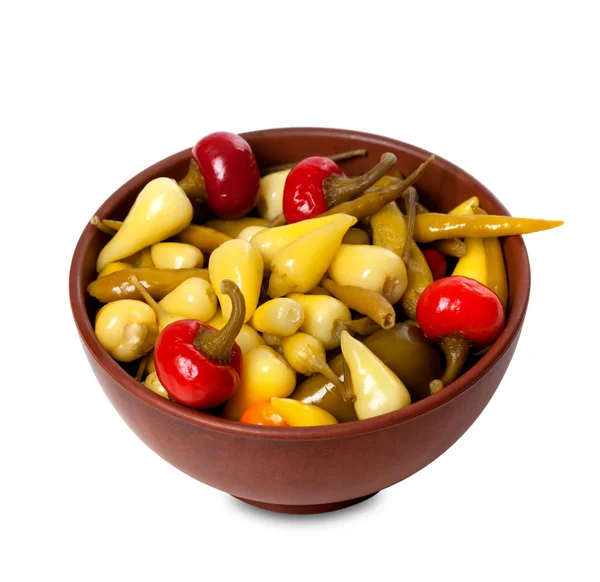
[
  {"x": 299, "y": 324},
  {"x": 317, "y": 183}
]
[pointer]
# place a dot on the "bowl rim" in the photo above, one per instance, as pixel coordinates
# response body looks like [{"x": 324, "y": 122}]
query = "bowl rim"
[{"x": 235, "y": 428}]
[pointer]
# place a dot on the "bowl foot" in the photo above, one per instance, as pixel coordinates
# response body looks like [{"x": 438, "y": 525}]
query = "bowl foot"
[{"x": 307, "y": 509}]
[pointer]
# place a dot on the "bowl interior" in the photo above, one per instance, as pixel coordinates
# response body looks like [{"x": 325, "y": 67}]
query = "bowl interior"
[{"x": 442, "y": 187}]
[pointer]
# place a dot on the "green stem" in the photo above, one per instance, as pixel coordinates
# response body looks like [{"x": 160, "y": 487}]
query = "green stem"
[
  {"x": 456, "y": 351},
  {"x": 348, "y": 392},
  {"x": 216, "y": 345},
  {"x": 193, "y": 183},
  {"x": 338, "y": 189},
  {"x": 161, "y": 314},
  {"x": 411, "y": 215},
  {"x": 321, "y": 367},
  {"x": 99, "y": 224},
  {"x": 335, "y": 157}
]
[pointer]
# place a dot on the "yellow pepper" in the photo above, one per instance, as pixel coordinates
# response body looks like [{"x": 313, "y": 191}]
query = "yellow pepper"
[
  {"x": 271, "y": 241},
  {"x": 113, "y": 268},
  {"x": 324, "y": 317},
  {"x": 473, "y": 263},
  {"x": 193, "y": 299},
  {"x": 496, "y": 270},
  {"x": 377, "y": 389},
  {"x": 299, "y": 414},
  {"x": 280, "y": 317},
  {"x": 270, "y": 194},
  {"x": 240, "y": 262},
  {"x": 154, "y": 384},
  {"x": 434, "y": 226},
  {"x": 160, "y": 211},
  {"x": 300, "y": 266},
  {"x": 369, "y": 267},
  {"x": 176, "y": 255},
  {"x": 127, "y": 329},
  {"x": 264, "y": 374}
]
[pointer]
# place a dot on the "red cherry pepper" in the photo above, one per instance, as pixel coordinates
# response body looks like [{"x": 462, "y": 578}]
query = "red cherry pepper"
[
  {"x": 316, "y": 184},
  {"x": 437, "y": 263},
  {"x": 224, "y": 173},
  {"x": 198, "y": 365},
  {"x": 458, "y": 312}
]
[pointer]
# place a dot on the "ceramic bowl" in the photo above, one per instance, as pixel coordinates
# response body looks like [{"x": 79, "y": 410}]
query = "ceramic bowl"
[{"x": 306, "y": 470}]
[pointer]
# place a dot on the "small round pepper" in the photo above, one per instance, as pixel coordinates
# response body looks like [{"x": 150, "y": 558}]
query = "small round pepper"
[
  {"x": 224, "y": 173},
  {"x": 317, "y": 183},
  {"x": 458, "y": 312}
]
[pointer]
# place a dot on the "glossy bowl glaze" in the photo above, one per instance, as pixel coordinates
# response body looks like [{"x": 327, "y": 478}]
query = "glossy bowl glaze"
[{"x": 306, "y": 470}]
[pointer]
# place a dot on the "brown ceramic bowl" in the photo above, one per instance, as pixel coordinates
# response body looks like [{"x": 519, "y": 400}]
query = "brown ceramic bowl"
[{"x": 306, "y": 470}]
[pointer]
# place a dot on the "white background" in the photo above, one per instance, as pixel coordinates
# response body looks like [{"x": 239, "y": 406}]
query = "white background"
[{"x": 92, "y": 93}]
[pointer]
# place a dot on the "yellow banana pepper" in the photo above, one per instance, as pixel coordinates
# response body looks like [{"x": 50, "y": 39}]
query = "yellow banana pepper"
[
  {"x": 299, "y": 414},
  {"x": 377, "y": 389},
  {"x": 160, "y": 211},
  {"x": 300, "y": 266},
  {"x": 433, "y": 226},
  {"x": 473, "y": 263},
  {"x": 496, "y": 270},
  {"x": 193, "y": 299},
  {"x": 273, "y": 240},
  {"x": 240, "y": 262}
]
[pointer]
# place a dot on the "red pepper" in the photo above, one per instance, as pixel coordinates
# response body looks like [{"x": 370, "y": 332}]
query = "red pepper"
[
  {"x": 227, "y": 174},
  {"x": 198, "y": 365},
  {"x": 316, "y": 184},
  {"x": 437, "y": 263},
  {"x": 459, "y": 312}
]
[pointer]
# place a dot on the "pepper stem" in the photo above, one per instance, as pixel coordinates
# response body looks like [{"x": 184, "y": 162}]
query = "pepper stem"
[
  {"x": 338, "y": 189},
  {"x": 348, "y": 392},
  {"x": 99, "y": 224},
  {"x": 393, "y": 290},
  {"x": 335, "y": 157},
  {"x": 141, "y": 368},
  {"x": 411, "y": 216},
  {"x": 161, "y": 314},
  {"x": 456, "y": 349},
  {"x": 217, "y": 344},
  {"x": 362, "y": 326},
  {"x": 193, "y": 183},
  {"x": 320, "y": 366}
]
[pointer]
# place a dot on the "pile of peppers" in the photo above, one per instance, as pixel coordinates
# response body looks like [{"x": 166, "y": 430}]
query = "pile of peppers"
[{"x": 297, "y": 295}]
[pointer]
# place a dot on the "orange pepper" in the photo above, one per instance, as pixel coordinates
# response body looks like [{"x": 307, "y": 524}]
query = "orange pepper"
[{"x": 262, "y": 413}]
